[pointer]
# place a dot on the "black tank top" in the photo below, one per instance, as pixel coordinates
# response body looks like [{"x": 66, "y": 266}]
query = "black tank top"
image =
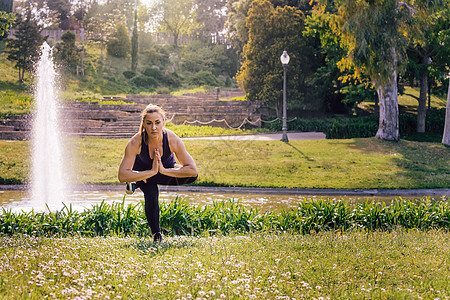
[{"x": 144, "y": 162}]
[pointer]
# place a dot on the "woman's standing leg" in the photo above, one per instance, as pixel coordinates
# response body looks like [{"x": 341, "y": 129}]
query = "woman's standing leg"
[{"x": 151, "y": 196}]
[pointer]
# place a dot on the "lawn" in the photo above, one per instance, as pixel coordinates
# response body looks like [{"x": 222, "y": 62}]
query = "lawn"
[
  {"x": 357, "y": 265},
  {"x": 353, "y": 163}
]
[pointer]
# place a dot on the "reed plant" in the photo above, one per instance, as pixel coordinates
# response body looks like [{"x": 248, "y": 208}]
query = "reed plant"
[{"x": 178, "y": 217}]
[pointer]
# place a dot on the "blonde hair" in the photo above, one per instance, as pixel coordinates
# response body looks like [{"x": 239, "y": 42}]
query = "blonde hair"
[{"x": 151, "y": 108}]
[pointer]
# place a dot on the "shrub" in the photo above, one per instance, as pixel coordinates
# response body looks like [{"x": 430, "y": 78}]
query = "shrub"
[
  {"x": 152, "y": 72},
  {"x": 365, "y": 126},
  {"x": 203, "y": 78},
  {"x": 172, "y": 79},
  {"x": 145, "y": 81},
  {"x": 129, "y": 74},
  {"x": 163, "y": 90},
  {"x": 119, "y": 45}
]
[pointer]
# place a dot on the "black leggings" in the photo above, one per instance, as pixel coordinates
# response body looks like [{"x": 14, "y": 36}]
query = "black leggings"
[{"x": 151, "y": 195}]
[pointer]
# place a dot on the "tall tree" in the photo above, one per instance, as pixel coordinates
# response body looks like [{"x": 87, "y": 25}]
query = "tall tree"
[
  {"x": 67, "y": 50},
  {"x": 211, "y": 18},
  {"x": 377, "y": 33},
  {"x": 176, "y": 17},
  {"x": 62, "y": 8},
  {"x": 236, "y": 25},
  {"x": 119, "y": 43},
  {"x": 446, "y": 136},
  {"x": 134, "y": 44},
  {"x": 428, "y": 31},
  {"x": 24, "y": 47},
  {"x": 271, "y": 31},
  {"x": 100, "y": 27}
]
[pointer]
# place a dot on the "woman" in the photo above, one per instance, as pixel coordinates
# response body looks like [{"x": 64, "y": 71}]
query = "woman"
[{"x": 149, "y": 160}]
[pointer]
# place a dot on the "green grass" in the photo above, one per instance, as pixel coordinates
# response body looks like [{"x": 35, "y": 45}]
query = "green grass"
[
  {"x": 354, "y": 163},
  {"x": 15, "y": 103},
  {"x": 409, "y": 100},
  {"x": 357, "y": 265}
]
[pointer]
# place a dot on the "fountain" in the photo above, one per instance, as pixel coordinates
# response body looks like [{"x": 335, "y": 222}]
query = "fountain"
[{"x": 49, "y": 184}]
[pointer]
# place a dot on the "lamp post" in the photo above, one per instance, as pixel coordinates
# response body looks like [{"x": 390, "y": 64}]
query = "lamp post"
[{"x": 284, "y": 61}]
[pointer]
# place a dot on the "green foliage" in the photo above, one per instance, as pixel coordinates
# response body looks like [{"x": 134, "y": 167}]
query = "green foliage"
[
  {"x": 67, "y": 50},
  {"x": 200, "y": 56},
  {"x": 145, "y": 81},
  {"x": 365, "y": 126},
  {"x": 6, "y": 20},
  {"x": 163, "y": 90},
  {"x": 178, "y": 217},
  {"x": 270, "y": 32},
  {"x": 119, "y": 44},
  {"x": 23, "y": 49},
  {"x": 203, "y": 78},
  {"x": 129, "y": 74},
  {"x": 177, "y": 17},
  {"x": 152, "y": 72}
]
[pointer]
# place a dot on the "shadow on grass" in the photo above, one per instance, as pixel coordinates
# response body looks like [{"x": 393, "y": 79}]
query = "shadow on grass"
[
  {"x": 300, "y": 151},
  {"x": 19, "y": 87},
  {"x": 421, "y": 164}
]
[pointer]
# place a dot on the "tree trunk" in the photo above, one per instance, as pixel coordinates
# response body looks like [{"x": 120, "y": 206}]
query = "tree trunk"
[
  {"x": 388, "y": 100},
  {"x": 446, "y": 137},
  {"x": 101, "y": 52},
  {"x": 422, "y": 108}
]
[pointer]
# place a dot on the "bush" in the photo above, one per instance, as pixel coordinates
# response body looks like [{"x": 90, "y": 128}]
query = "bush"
[
  {"x": 366, "y": 126},
  {"x": 152, "y": 72},
  {"x": 119, "y": 45},
  {"x": 129, "y": 74},
  {"x": 172, "y": 80},
  {"x": 145, "y": 81},
  {"x": 162, "y": 90},
  {"x": 203, "y": 78}
]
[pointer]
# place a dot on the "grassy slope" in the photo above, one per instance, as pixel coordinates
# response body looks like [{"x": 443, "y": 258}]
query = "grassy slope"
[
  {"x": 395, "y": 265},
  {"x": 355, "y": 163}
]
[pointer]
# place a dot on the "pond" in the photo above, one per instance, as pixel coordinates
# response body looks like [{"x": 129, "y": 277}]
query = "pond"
[{"x": 80, "y": 199}]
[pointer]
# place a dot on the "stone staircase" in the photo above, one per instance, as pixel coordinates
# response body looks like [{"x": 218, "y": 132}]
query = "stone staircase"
[{"x": 122, "y": 121}]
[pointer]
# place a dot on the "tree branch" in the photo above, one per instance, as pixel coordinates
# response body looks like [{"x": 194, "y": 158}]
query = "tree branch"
[{"x": 411, "y": 8}]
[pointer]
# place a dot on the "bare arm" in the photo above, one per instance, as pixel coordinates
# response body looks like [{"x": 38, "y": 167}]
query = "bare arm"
[
  {"x": 187, "y": 168},
  {"x": 126, "y": 172}
]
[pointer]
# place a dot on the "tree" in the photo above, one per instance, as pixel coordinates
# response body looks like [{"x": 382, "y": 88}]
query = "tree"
[
  {"x": 101, "y": 27},
  {"x": 62, "y": 8},
  {"x": 236, "y": 24},
  {"x": 134, "y": 45},
  {"x": 272, "y": 30},
  {"x": 6, "y": 20},
  {"x": 377, "y": 34},
  {"x": 340, "y": 86},
  {"x": 24, "y": 47},
  {"x": 176, "y": 17},
  {"x": 211, "y": 19},
  {"x": 428, "y": 32},
  {"x": 67, "y": 50},
  {"x": 119, "y": 44},
  {"x": 446, "y": 136}
]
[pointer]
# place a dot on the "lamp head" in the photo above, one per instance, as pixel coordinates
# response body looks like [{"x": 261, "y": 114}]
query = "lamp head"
[{"x": 284, "y": 58}]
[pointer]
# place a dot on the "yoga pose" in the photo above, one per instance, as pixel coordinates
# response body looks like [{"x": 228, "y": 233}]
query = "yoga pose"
[{"x": 149, "y": 160}]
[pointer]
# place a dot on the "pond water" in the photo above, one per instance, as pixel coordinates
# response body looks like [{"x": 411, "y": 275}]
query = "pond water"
[{"x": 18, "y": 200}]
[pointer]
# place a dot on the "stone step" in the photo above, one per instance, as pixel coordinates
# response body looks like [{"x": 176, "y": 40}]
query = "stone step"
[
  {"x": 104, "y": 135},
  {"x": 15, "y": 135},
  {"x": 6, "y": 128}
]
